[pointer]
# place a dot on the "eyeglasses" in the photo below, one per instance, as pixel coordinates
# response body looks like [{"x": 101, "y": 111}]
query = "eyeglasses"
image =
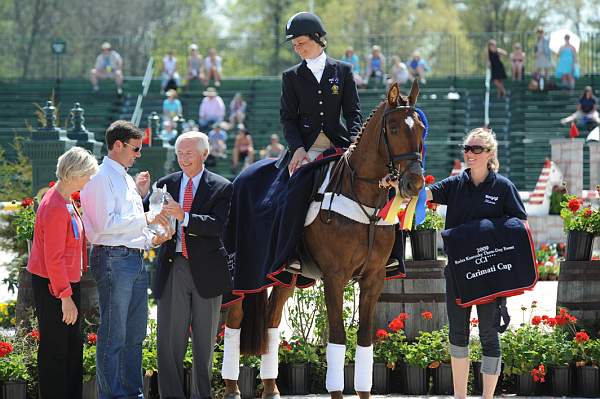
[
  {"x": 475, "y": 149},
  {"x": 134, "y": 148}
]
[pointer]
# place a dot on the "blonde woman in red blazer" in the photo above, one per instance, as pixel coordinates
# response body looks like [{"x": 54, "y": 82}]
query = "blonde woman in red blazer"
[{"x": 57, "y": 258}]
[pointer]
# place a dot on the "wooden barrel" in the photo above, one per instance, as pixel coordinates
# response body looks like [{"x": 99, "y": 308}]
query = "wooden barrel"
[
  {"x": 89, "y": 299},
  {"x": 423, "y": 289},
  {"x": 579, "y": 290}
]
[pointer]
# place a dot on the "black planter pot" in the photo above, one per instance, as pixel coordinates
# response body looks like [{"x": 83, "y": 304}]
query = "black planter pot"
[
  {"x": 187, "y": 383},
  {"x": 293, "y": 379},
  {"x": 416, "y": 380},
  {"x": 381, "y": 379},
  {"x": 442, "y": 380},
  {"x": 13, "y": 390},
  {"x": 151, "y": 386},
  {"x": 560, "y": 380},
  {"x": 423, "y": 244},
  {"x": 247, "y": 381},
  {"x": 588, "y": 381},
  {"x": 398, "y": 378},
  {"x": 90, "y": 390},
  {"x": 477, "y": 378},
  {"x": 579, "y": 245},
  {"x": 526, "y": 386},
  {"x": 349, "y": 379}
]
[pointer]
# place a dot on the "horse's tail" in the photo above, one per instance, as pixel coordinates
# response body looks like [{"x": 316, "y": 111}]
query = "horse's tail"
[{"x": 253, "y": 337}]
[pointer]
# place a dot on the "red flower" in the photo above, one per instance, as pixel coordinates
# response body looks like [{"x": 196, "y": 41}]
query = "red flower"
[
  {"x": 381, "y": 334},
  {"x": 51, "y": 184},
  {"x": 5, "y": 348},
  {"x": 587, "y": 212},
  {"x": 429, "y": 179},
  {"x": 539, "y": 373},
  {"x": 581, "y": 337},
  {"x": 474, "y": 322},
  {"x": 92, "y": 338},
  {"x": 396, "y": 325},
  {"x": 402, "y": 316},
  {"x": 35, "y": 334},
  {"x": 427, "y": 315},
  {"x": 536, "y": 320},
  {"x": 561, "y": 320},
  {"x": 562, "y": 311},
  {"x": 574, "y": 205},
  {"x": 27, "y": 202},
  {"x": 431, "y": 205},
  {"x": 551, "y": 321},
  {"x": 545, "y": 247},
  {"x": 76, "y": 196}
]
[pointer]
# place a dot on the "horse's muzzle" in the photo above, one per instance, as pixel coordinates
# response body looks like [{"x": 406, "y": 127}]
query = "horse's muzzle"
[{"x": 412, "y": 181}]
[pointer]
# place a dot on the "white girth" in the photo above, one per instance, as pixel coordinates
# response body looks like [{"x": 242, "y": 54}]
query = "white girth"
[{"x": 341, "y": 205}]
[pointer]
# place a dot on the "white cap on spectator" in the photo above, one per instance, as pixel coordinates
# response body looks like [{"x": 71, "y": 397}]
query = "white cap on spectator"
[{"x": 106, "y": 46}]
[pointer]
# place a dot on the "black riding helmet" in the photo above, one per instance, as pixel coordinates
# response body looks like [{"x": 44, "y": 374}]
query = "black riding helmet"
[{"x": 305, "y": 24}]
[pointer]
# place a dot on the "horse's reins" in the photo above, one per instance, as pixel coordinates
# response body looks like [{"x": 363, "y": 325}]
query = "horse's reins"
[{"x": 395, "y": 173}]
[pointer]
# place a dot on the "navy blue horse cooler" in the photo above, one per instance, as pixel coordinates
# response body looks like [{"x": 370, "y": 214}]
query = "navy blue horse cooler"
[{"x": 489, "y": 259}]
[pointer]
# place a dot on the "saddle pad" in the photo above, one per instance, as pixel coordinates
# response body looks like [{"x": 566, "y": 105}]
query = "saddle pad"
[
  {"x": 341, "y": 205},
  {"x": 490, "y": 258}
]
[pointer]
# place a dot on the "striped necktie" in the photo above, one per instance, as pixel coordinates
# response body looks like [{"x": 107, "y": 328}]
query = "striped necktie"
[{"x": 188, "y": 197}]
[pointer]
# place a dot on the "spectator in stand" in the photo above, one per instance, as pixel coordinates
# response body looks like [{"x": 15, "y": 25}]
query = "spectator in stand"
[
  {"x": 212, "y": 108},
  {"x": 195, "y": 65},
  {"x": 398, "y": 72},
  {"x": 517, "y": 60},
  {"x": 58, "y": 255},
  {"x": 496, "y": 66},
  {"x": 566, "y": 68},
  {"x": 169, "y": 133},
  {"x": 587, "y": 108},
  {"x": 353, "y": 60},
  {"x": 212, "y": 66},
  {"x": 237, "y": 110},
  {"x": 170, "y": 76},
  {"x": 243, "y": 149},
  {"x": 190, "y": 125},
  {"x": 417, "y": 67},
  {"x": 109, "y": 65},
  {"x": 376, "y": 66},
  {"x": 217, "y": 139},
  {"x": 543, "y": 55},
  {"x": 171, "y": 105},
  {"x": 274, "y": 149}
]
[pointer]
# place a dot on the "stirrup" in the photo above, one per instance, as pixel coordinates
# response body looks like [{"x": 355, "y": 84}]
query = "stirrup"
[
  {"x": 392, "y": 264},
  {"x": 294, "y": 266}
]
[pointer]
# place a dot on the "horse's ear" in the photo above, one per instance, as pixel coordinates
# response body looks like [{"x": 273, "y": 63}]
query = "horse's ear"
[
  {"x": 414, "y": 93},
  {"x": 393, "y": 95}
]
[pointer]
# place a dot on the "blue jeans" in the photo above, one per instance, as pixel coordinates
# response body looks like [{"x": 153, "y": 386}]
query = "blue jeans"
[{"x": 123, "y": 296}]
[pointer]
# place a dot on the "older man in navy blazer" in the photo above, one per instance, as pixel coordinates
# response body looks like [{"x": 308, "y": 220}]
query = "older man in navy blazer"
[{"x": 192, "y": 272}]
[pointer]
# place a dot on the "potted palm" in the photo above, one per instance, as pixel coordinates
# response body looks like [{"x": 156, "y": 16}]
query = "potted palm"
[{"x": 581, "y": 225}]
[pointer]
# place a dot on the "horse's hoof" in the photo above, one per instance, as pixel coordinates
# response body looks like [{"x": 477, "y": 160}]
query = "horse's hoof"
[{"x": 232, "y": 395}]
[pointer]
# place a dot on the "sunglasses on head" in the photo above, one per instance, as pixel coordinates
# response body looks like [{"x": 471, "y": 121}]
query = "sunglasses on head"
[
  {"x": 475, "y": 149},
  {"x": 134, "y": 148}
]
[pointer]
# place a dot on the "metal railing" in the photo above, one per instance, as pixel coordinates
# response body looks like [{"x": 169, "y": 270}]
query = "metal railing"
[
  {"x": 245, "y": 56},
  {"x": 137, "y": 113}
]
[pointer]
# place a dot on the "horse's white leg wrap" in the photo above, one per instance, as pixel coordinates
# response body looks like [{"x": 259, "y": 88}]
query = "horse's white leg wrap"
[
  {"x": 334, "y": 380},
  {"x": 269, "y": 362},
  {"x": 363, "y": 369},
  {"x": 231, "y": 354}
]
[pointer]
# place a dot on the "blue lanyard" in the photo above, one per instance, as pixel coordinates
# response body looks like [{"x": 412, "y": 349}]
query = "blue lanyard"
[{"x": 71, "y": 210}]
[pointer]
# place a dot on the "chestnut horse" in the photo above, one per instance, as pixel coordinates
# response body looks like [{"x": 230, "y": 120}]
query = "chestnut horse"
[{"x": 389, "y": 147}]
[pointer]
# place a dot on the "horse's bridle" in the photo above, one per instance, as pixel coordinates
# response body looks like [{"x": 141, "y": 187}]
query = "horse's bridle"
[{"x": 406, "y": 156}]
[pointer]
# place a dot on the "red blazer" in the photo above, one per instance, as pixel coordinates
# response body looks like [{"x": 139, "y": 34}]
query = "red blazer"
[{"x": 56, "y": 254}]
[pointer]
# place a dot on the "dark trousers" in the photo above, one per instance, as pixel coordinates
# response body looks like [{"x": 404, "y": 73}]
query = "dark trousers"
[{"x": 60, "y": 352}]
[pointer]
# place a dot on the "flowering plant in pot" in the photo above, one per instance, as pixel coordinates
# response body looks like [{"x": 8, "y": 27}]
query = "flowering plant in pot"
[
  {"x": 581, "y": 224},
  {"x": 423, "y": 236},
  {"x": 295, "y": 357},
  {"x": 587, "y": 360}
]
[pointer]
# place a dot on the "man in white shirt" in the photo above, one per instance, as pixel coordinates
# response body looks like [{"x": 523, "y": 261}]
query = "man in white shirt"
[
  {"x": 117, "y": 228},
  {"x": 109, "y": 65},
  {"x": 192, "y": 270}
]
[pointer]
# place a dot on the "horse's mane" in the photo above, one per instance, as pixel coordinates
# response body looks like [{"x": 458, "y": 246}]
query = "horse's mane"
[{"x": 366, "y": 122}]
